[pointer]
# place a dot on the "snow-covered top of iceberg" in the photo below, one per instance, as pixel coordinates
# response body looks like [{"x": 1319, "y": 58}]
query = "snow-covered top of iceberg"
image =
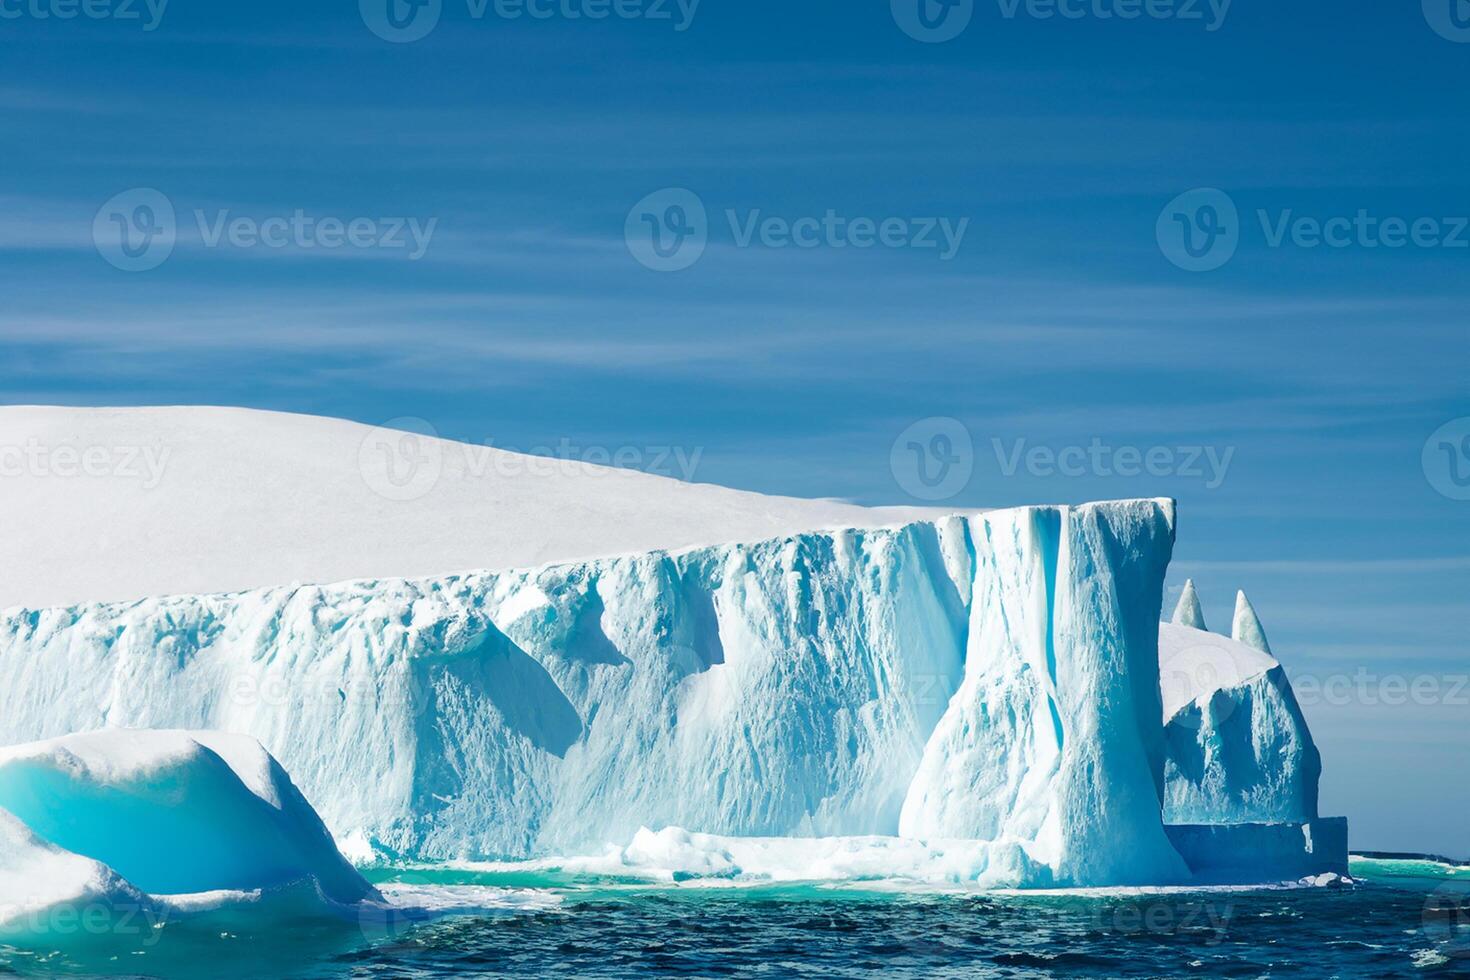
[
  {"x": 103, "y": 504},
  {"x": 1196, "y": 663}
]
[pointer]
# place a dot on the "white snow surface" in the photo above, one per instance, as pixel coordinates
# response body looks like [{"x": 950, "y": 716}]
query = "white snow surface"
[
  {"x": 992, "y": 678},
  {"x": 106, "y": 504},
  {"x": 1238, "y": 746},
  {"x": 1194, "y": 663}
]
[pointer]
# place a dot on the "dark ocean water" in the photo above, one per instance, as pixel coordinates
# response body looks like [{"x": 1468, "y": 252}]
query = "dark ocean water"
[{"x": 1404, "y": 919}]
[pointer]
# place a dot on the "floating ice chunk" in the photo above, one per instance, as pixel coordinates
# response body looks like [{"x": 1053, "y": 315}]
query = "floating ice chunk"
[
  {"x": 1247, "y": 625},
  {"x": 1188, "y": 611},
  {"x": 674, "y": 855},
  {"x": 39, "y": 882},
  {"x": 170, "y": 813}
]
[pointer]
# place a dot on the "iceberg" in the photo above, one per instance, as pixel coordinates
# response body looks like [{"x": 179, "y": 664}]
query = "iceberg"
[
  {"x": 152, "y": 823},
  {"x": 1188, "y": 611},
  {"x": 1241, "y": 772},
  {"x": 1239, "y": 749},
  {"x": 175, "y": 812},
  {"x": 987, "y": 697},
  {"x": 823, "y": 684},
  {"x": 38, "y": 880},
  {"x": 109, "y": 838},
  {"x": 1246, "y": 627}
]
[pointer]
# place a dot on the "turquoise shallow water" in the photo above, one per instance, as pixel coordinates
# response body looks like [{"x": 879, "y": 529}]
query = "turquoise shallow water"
[{"x": 1404, "y": 919}]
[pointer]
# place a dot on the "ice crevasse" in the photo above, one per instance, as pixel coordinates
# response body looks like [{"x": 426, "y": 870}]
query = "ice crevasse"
[{"x": 992, "y": 679}]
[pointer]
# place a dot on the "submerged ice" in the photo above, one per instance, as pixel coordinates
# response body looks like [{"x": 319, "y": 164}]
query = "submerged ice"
[{"x": 992, "y": 680}]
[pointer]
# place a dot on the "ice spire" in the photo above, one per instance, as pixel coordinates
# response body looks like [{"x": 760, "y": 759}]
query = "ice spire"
[
  {"x": 1247, "y": 626},
  {"x": 1188, "y": 612}
]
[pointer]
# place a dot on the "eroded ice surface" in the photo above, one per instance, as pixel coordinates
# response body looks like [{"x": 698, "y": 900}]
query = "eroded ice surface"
[{"x": 992, "y": 678}]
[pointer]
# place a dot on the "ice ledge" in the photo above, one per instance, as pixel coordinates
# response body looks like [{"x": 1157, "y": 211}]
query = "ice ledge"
[{"x": 1248, "y": 853}]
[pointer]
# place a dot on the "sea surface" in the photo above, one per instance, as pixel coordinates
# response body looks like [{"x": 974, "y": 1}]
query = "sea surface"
[{"x": 1402, "y": 918}]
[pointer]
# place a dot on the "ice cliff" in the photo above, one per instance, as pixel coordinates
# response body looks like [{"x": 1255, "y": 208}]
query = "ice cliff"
[{"x": 993, "y": 678}]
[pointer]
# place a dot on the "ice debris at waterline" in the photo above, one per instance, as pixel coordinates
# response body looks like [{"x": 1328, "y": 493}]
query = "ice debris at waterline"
[
  {"x": 993, "y": 679},
  {"x": 120, "y": 831},
  {"x": 674, "y": 856}
]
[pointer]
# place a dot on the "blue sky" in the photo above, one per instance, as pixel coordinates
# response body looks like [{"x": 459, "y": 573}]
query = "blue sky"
[{"x": 1322, "y": 371}]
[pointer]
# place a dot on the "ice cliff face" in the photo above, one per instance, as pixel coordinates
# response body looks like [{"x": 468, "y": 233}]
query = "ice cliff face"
[
  {"x": 992, "y": 678},
  {"x": 1239, "y": 750},
  {"x": 1061, "y": 675}
]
